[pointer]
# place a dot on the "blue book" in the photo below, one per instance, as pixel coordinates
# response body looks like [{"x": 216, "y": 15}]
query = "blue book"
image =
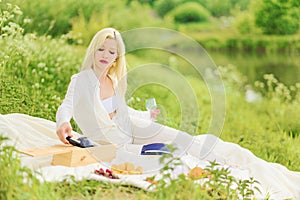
[{"x": 154, "y": 149}]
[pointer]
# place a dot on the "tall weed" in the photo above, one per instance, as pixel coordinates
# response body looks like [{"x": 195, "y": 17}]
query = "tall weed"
[{"x": 34, "y": 70}]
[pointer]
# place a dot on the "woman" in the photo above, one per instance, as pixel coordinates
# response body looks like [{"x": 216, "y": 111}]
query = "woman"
[
  {"x": 96, "y": 101},
  {"x": 96, "y": 98}
]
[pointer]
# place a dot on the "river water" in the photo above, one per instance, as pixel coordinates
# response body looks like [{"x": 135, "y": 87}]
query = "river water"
[{"x": 286, "y": 68}]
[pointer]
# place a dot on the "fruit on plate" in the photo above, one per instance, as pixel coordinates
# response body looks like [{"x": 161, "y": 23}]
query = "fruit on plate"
[
  {"x": 198, "y": 173},
  {"x": 126, "y": 168},
  {"x": 106, "y": 173}
]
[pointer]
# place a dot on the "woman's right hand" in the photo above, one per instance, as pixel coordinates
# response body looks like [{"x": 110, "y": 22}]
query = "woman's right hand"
[{"x": 64, "y": 130}]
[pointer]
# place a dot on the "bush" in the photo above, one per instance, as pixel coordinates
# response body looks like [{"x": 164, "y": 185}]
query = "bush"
[
  {"x": 163, "y": 7},
  {"x": 190, "y": 12},
  {"x": 219, "y": 8}
]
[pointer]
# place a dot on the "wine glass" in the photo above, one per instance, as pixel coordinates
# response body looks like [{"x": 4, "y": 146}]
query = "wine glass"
[{"x": 151, "y": 104}]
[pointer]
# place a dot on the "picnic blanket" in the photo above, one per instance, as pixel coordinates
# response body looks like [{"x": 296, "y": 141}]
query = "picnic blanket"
[{"x": 27, "y": 132}]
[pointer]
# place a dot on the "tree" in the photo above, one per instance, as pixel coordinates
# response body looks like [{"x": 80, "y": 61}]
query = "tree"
[{"x": 278, "y": 16}]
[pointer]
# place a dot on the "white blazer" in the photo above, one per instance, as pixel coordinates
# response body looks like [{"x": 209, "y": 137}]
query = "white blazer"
[{"x": 83, "y": 103}]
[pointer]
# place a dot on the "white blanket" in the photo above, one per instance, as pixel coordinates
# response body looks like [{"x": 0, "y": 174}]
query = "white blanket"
[{"x": 29, "y": 132}]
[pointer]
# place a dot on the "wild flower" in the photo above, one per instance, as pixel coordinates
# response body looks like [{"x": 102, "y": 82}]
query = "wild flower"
[
  {"x": 274, "y": 90},
  {"x": 8, "y": 26}
]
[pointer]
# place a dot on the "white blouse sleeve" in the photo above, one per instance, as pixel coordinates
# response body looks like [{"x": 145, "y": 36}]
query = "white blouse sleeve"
[
  {"x": 138, "y": 113},
  {"x": 65, "y": 110}
]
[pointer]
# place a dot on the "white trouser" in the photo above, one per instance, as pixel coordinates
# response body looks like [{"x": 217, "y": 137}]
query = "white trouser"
[{"x": 201, "y": 146}]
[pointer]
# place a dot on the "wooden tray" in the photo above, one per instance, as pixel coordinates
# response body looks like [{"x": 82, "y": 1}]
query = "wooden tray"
[{"x": 50, "y": 150}]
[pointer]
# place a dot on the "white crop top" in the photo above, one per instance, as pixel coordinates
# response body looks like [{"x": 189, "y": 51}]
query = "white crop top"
[{"x": 110, "y": 104}]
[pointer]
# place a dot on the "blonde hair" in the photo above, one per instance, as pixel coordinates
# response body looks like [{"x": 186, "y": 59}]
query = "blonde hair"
[{"x": 118, "y": 69}]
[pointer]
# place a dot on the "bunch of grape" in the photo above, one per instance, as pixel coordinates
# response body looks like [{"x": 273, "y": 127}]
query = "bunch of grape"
[{"x": 107, "y": 173}]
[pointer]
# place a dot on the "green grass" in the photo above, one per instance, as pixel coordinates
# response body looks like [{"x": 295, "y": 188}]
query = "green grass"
[{"x": 34, "y": 75}]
